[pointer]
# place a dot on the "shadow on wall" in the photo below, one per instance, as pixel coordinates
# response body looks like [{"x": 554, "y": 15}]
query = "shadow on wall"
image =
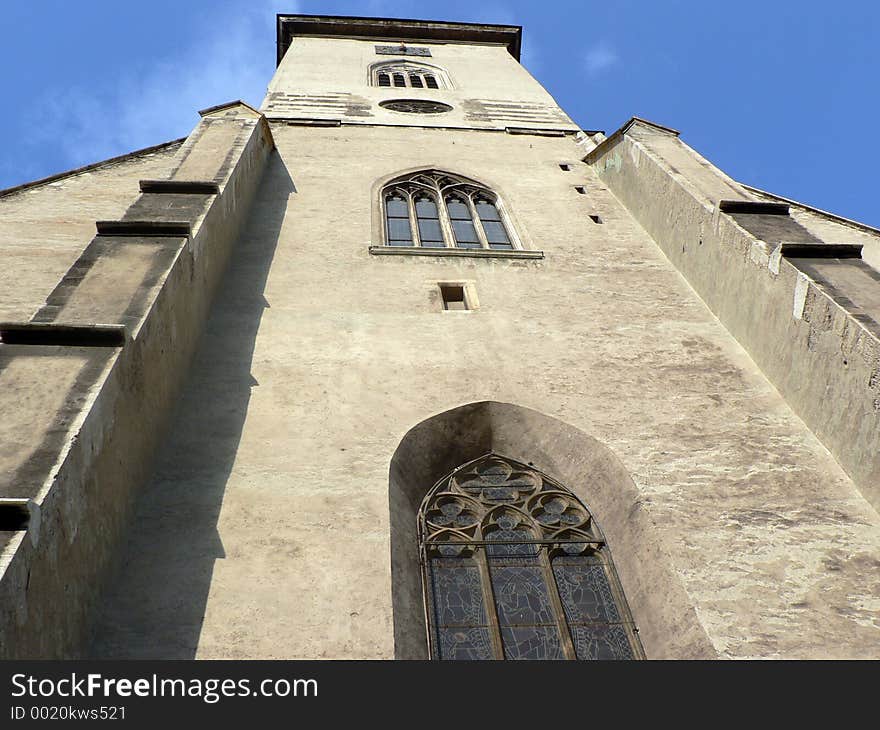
[
  {"x": 155, "y": 605},
  {"x": 667, "y": 622}
]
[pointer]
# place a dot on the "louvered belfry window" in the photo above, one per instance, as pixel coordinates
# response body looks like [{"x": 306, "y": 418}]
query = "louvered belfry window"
[
  {"x": 408, "y": 75},
  {"x": 514, "y": 567},
  {"x": 434, "y": 209}
]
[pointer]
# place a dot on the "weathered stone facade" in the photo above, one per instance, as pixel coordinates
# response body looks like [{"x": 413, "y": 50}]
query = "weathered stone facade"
[{"x": 697, "y": 383}]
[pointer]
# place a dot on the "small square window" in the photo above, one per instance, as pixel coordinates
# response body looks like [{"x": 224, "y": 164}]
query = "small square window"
[
  {"x": 595, "y": 219},
  {"x": 580, "y": 189},
  {"x": 454, "y": 298},
  {"x": 565, "y": 167}
]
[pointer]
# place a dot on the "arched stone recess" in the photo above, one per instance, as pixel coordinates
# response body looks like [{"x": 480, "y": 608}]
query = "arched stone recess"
[{"x": 663, "y": 612}]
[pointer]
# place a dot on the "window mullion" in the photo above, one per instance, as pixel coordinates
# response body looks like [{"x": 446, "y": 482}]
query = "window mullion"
[
  {"x": 558, "y": 608},
  {"x": 433, "y": 649},
  {"x": 445, "y": 221},
  {"x": 478, "y": 224},
  {"x": 489, "y": 603},
  {"x": 413, "y": 219}
]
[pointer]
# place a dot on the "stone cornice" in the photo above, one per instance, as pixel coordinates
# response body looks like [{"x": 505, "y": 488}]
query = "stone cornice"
[{"x": 395, "y": 29}]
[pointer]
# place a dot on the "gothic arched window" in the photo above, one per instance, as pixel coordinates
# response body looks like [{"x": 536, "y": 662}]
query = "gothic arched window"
[
  {"x": 408, "y": 75},
  {"x": 434, "y": 209},
  {"x": 514, "y": 567}
]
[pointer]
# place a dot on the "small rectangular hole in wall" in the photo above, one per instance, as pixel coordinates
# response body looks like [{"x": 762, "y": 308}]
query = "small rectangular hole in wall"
[
  {"x": 454, "y": 298},
  {"x": 580, "y": 189},
  {"x": 595, "y": 219},
  {"x": 564, "y": 167}
]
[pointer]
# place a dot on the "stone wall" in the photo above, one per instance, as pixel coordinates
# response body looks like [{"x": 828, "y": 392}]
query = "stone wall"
[
  {"x": 100, "y": 405},
  {"x": 809, "y": 323}
]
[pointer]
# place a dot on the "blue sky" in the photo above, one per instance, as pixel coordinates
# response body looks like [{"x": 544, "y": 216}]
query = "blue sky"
[{"x": 781, "y": 95}]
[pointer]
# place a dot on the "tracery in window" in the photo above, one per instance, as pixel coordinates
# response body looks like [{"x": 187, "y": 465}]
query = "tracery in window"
[
  {"x": 415, "y": 106},
  {"x": 408, "y": 75},
  {"x": 442, "y": 210},
  {"x": 514, "y": 567}
]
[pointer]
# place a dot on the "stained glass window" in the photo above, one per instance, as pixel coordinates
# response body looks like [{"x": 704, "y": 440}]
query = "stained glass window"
[
  {"x": 450, "y": 211},
  {"x": 516, "y": 568}
]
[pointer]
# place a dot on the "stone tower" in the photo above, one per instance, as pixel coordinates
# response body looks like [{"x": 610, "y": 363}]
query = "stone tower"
[{"x": 411, "y": 270}]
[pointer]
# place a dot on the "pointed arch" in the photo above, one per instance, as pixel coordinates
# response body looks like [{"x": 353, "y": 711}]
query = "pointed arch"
[
  {"x": 401, "y": 73},
  {"x": 515, "y": 567},
  {"x": 469, "y": 214},
  {"x": 661, "y": 607}
]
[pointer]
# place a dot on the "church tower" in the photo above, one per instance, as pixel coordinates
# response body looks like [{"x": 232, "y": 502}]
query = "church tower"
[{"x": 423, "y": 369}]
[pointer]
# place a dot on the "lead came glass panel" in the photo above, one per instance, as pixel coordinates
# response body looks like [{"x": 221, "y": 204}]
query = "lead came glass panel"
[
  {"x": 431, "y": 82},
  {"x": 517, "y": 568},
  {"x": 521, "y": 595},
  {"x": 515, "y": 547},
  {"x": 459, "y": 616},
  {"x": 464, "y": 643},
  {"x": 601, "y": 641},
  {"x": 531, "y": 642},
  {"x": 584, "y": 590},
  {"x": 458, "y": 597},
  {"x": 522, "y": 599}
]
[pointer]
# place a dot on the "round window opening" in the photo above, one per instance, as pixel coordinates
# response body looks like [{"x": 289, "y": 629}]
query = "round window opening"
[{"x": 416, "y": 106}]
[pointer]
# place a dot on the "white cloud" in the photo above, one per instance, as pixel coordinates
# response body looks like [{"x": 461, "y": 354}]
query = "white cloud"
[
  {"x": 599, "y": 58},
  {"x": 234, "y": 60}
]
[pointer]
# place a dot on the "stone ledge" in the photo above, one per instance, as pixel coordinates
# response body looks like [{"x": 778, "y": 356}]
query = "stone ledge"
[
  {"x": 180, "y": 187},
  {"x": 476, "y": 253},
  {"x": 15, "y": 514},
  {"x": 144, "y": 228},
  {"x": 311, "y": 122},
  {"x": 805, "y": 320},
  {"x": 609, "y": 142},
  {"x": 110, "y": 407},
  {"x": 755, "y": 207},
  {"x": 821, "y": 250},
  {"x": 538, "y": 132},
  {"x": 71, "y": 335}
]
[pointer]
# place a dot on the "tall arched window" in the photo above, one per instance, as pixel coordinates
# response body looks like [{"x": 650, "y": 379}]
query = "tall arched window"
[
  {"x": 435, "y": 209},
  {"x": 408, "y": 75},
  {"x": 514, "y": 567}
]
